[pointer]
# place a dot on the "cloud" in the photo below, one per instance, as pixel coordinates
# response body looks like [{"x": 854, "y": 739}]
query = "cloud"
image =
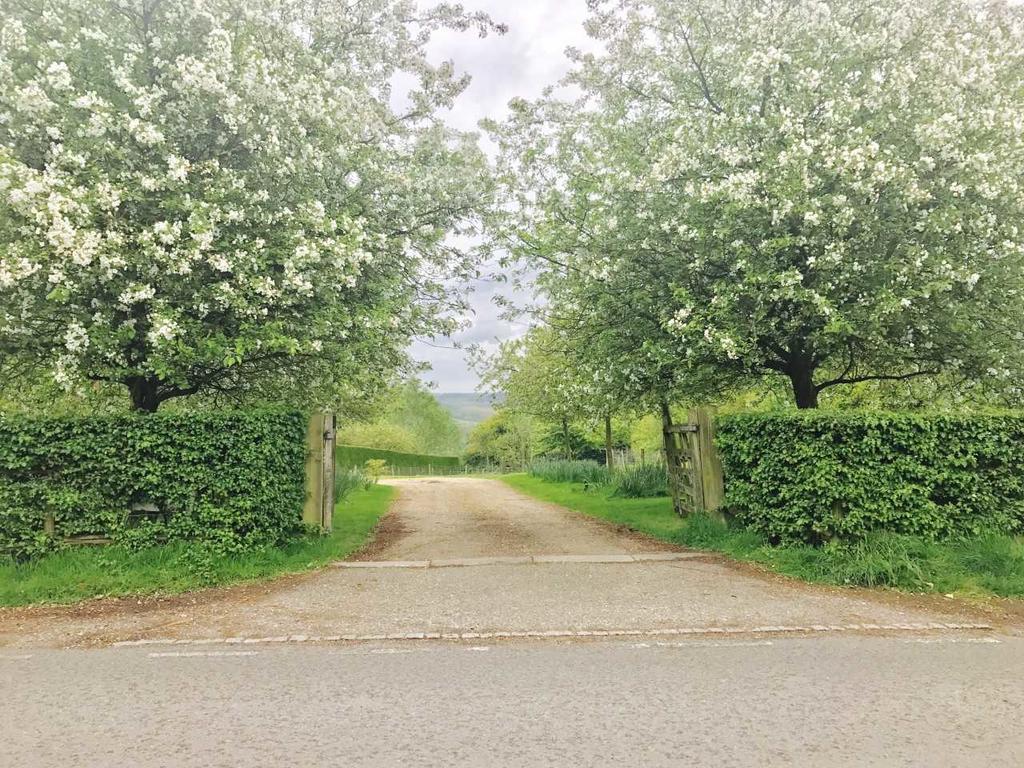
[{"x": 519, "y": 64}]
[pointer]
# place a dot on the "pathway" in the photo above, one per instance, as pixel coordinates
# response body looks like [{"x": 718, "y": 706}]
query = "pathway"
[{"x": 467, "y": 558}]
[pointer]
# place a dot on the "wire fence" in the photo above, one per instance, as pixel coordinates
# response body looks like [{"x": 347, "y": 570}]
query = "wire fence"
[{"x": 432, "y": 471}]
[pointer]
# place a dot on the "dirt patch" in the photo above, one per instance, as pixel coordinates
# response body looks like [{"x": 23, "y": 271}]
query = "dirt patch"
[{"x": 388, "y": 532}]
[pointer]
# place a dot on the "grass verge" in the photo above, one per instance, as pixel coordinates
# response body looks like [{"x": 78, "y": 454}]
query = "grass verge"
[
  {"x": 79, "y": 574},
  {"x": 983, "y": 566}
]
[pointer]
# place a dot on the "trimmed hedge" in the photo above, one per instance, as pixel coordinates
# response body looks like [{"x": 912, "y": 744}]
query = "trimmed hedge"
[
  {"x": 357, "y": 456},
  {"x": 230, "y": 480},
  {"x": 817, "y": 477}
]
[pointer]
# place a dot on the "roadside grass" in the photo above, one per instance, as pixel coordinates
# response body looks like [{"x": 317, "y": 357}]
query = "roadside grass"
[
  {"x": 980, "y": 567},
  {"x": 80, "y": 574}
]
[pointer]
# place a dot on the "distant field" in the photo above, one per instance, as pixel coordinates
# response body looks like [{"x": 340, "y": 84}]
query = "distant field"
[
  {"x": 468, "y": 408},
  {"x": 357, "y": 456}
]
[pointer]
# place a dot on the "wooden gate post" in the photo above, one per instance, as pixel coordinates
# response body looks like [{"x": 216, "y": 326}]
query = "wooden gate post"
[
  {"x": 709, "y": 462},
  {"x": 671, "y": 462},
  {"x": 319, "y": 507},
  {"x": 328, "y": 471}
]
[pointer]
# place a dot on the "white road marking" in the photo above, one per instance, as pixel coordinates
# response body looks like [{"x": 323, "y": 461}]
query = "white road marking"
[
  {"x": 707, "y": 644},
  {"x": 21, "y": 657},
  {"x": 194, "y": 654},
  {"x": 568, "y": 633},
  {"x": 937, "y": 640},
  {"x": 479, "y": 648}
]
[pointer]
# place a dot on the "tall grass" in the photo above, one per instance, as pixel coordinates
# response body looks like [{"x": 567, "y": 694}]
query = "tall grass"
[
  {"x": 563, "y": 471},
  {"x": 640, "y": 481},
  {"x": 349, "y": 479}
]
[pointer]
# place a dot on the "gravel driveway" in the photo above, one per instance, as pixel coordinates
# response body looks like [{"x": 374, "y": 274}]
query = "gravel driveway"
[
  {"x": 438, "y": 518},
  {"x": 557, "y": 575}
]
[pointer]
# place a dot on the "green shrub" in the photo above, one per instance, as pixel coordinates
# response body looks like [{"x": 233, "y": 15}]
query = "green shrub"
[
  {"x": 374, "y": 469},
  {"x": 229, "y": 481},
  {"x": 565, "y": 471},
  {"x": 357, "y": 456},
  {"x": 640, "y": 481},
  {"x": 820, "y": 477}
]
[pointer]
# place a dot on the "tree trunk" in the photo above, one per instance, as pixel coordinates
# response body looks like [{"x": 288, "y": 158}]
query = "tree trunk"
[
  {"x": 145, "y": 393},
  {"x": 566, "y": 441},
  {"x": 666, "y": 422},
  {"x": 609, "y": 456},
  {"x": 804, "y": 391}
]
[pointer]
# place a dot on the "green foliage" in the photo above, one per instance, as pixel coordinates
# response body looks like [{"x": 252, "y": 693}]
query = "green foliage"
[
  {"x": 507, "y": 438},
  {"x": 432, "y": 427},
  {"x": 982, "y": 565},
  {"x": 386, "y": 437},
  {"x": 820, "y": 477},
  {"x": 357, "y": 456},
  {"x": 640, "y": 481},
  {"x": 228, "y": 481},
  {"x": 82, "y": 573},
  {"x": 646, "y": 435},
  {"x": 411, "y": 421},
  {"x": 557, "y": 440},
  {"x": 375, "y": 469},
  {"x": 565, "y": 471}
]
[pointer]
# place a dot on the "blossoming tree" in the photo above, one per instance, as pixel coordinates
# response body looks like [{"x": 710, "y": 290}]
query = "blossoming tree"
[
  {"x": 830, "y": 190},
  {"x": 219, "y": 195}
]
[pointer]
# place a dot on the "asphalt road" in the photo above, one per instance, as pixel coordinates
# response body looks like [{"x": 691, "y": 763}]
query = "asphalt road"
[{"x": 850, "y": 701}]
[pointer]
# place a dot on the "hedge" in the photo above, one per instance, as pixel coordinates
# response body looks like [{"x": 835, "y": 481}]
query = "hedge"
[
  {"x": 818, "y": 477},
  {"x": 357, "y": 456},
  {"x": 231, "y": 480}
]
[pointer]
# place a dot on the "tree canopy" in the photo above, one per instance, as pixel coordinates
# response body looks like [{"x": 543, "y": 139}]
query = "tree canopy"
[
  {"x": 826, "y": 191},
  {"x": 217, "y": 196}
]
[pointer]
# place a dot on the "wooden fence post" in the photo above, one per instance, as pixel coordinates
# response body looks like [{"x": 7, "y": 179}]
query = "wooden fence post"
[
  {"x": 710, "y": 466},
  {"x": 319, "y": 507},
  {"x": 328, "y": 471}
]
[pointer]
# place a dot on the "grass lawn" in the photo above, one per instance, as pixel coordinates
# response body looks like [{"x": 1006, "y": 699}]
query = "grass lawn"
[
  {"x": 79, "y": 574},
  {"x": 985, "y": 566}
]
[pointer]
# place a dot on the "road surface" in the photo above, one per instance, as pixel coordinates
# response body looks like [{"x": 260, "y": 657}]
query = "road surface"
[{"x": 484, "y": 628}]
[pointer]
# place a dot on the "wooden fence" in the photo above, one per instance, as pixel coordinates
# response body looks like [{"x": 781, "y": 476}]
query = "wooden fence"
[{"x": 694, "y": 467}]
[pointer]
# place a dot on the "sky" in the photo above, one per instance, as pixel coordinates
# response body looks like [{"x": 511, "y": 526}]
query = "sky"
[{"x": 520, "y": 63}]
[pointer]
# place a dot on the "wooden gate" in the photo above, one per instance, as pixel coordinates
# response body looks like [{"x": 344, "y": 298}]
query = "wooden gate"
[
  {"x": 319, "y": 508},
  {"x": 694, "y": 468}
]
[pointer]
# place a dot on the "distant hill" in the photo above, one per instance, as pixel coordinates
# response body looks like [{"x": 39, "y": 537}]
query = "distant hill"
[{"x": 468, "y": 408}]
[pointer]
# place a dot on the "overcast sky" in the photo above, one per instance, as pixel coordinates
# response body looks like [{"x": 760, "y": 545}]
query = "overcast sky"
[{"x": 520, "y": 63}]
